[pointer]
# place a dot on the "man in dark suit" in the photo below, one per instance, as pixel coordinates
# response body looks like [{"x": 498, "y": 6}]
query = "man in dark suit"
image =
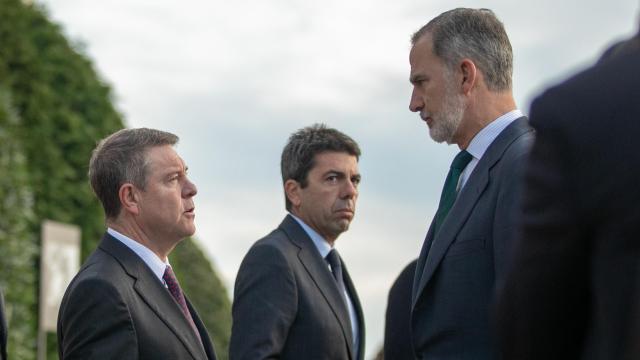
[
  {"x": 573, "y": 290},
  {"x": 461, "y": 67},
  {"x": 3, "y": 329},
  {"x": 125, "y": 303},
  {"x": 397, "y": 326},
  {"x": 293, "y": 296}
]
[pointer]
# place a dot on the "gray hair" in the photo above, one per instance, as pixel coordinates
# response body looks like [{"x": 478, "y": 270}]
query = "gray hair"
[
  {"x": 298, "y": 156},
  {"x": 122, "y": 158},
  {"x": 476, "y": 34}
]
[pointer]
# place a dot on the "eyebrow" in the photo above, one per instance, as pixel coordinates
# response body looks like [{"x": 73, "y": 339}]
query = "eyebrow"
[
  {"x": 414, "y": 78},
  {"x": 342, "y": 174},
  {"x": 337, "y": 172},
  {"x": 176, "y": 170}
]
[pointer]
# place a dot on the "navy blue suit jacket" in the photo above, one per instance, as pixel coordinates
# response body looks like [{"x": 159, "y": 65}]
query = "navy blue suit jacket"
[{"x": 458, "y": 268}]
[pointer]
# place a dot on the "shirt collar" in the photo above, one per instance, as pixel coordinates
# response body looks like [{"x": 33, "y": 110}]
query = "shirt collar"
[
  {"x": 480, "y": 143},
  {"x": 152, "y": 260},
  {"x": 321, "y": 244}
]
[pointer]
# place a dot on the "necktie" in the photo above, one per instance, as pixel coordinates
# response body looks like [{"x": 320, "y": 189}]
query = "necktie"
[
  {"x": 175, "y": 290},
  {"x": 336, "y": 268},
  {"x": 449, "y": 194}
]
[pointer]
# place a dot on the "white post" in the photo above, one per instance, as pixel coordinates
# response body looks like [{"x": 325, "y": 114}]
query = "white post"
[{"x": 59, "y": 263}]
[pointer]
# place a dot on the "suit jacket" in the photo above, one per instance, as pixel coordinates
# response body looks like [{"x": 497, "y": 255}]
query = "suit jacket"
[
  {"x": 574, "y": 288},
  {"x": 458, "y": 268},
  {"x": 116, "y": 308},
  {"x": 287, "y": 304},
  {"x": 397, "y": 329},
  {"x": 3, "y": 330}
]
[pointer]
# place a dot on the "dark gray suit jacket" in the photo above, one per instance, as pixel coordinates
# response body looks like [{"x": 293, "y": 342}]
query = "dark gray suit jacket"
[
  {"x": 573, "y": 291},
  {"x": 3, "y": 329},
  {"x": 458, "y": 268},
  {"x": 287, "y": 304},
  {"x": 116, "y": 308}
]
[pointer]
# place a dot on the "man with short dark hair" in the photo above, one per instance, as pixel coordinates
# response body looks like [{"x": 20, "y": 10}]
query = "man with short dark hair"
[
  {"x": 461, "y": 67},
  {"x": 125, "y": 302},
  {"x": 293, "y": 296}
]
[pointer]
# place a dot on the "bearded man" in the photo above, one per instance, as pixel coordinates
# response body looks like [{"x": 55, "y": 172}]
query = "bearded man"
[{"x": 461, "y": 69}]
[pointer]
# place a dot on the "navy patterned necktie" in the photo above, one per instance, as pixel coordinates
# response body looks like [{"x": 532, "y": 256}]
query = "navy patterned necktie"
[
  {"x": 177, "y": 294},
  {"x": 449, "y": 192}
]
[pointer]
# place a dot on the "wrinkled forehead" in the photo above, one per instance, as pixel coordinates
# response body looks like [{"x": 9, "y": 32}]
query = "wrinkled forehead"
[{"x": 164, "y": 157}]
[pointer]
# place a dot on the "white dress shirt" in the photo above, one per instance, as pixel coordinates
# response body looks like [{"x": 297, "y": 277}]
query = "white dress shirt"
[
  {"x": 480, "y": 143},
  {"x": 150, "y": 258}
]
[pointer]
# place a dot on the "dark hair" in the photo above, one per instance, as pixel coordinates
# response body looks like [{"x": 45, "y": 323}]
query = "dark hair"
[
  {"x": 476, "y": 34},
  {"x": 122, "y": 158},
  {"x": 298, "y": 155}
]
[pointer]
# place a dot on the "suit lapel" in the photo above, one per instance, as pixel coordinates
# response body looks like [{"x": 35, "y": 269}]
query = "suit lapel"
[
  {"x": 358, "y": 308},
  {"x": 154, "y": 294},
  {"x": 319, "y": 272},
  {"x": 204, "y": 335},
  {"x": 436, "y": 247}
]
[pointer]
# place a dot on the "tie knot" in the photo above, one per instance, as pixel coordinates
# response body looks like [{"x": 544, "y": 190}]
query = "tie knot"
[
  {"x": 461, "y": 160},
  {"x": 333, "y": 259},
  {"x": 169, "y": 277}
]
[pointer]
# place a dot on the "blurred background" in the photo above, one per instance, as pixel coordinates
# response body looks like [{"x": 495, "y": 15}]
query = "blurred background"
[{"x": 233, "y": 80}]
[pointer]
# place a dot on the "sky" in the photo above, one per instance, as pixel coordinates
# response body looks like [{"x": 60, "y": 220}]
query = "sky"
[{"x": 233, "y": 79}]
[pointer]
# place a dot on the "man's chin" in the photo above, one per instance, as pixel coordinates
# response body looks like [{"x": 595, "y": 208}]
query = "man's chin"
[
  {"x": 189, "y": 231},
  {"x": 438, "y": 135},
  {"x": 342, "y": 225}
]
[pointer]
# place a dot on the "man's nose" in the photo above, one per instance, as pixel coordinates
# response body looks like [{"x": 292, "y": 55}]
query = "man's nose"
[
  {"x": 415, "y": 104},
  {"x": 349, "y": 190},
  {"x": 189, "y": 189}
]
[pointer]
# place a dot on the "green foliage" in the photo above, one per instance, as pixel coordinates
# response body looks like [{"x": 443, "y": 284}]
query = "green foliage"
[
  {"x": 65, "y": 108},
  {"x": 53, "y": 110},
  {"x": 17, "y": 241},
  {"x": 205, "y": 291}
]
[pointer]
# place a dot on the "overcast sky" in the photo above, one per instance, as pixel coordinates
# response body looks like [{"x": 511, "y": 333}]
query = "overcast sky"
[{"x": 234, "y": 78}]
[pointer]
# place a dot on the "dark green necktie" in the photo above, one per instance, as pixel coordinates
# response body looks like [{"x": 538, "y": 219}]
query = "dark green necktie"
[{"x": 448, "y": 196}]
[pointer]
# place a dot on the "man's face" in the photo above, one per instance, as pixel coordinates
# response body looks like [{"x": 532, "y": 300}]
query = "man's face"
[
  {"x": 328, "y": 202},
  {"x": 435, "y": 95},
  {"x": 166, "y": 210}
]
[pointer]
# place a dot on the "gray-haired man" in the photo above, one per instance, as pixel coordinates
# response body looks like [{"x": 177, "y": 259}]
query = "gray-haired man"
[
  {"x": 461, "y": 65},
  {"x": 126, "y": 303}
]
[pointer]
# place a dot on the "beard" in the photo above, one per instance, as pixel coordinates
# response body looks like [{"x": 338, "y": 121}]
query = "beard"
[{"x": 446, "y": 124}]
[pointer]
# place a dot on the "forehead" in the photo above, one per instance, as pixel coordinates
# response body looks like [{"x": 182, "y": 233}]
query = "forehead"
[
  {"x": 422, "y": 55},
  {"x": 164, "y": 158},
  {"x": 333, "y": 160}
]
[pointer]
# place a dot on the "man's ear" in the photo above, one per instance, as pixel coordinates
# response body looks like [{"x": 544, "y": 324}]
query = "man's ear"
[
  {"x": 292, "y": 191},
  {"x": 469, "y": 75},
  {"x": 129, "y": 198}
]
